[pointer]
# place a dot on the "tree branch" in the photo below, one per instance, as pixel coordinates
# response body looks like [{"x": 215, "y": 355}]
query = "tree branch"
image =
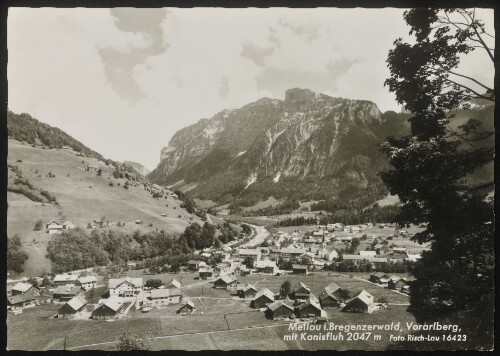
[
  {"x": 473, "y": 91},
  {"x": 474, "y": 80}
]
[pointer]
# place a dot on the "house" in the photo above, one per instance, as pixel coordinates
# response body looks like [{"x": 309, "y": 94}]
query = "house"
[
  {"x": 53, "y": 227},
  {"x": 308, "y": 309},
  {"x": 186, "y": 308},
  {"x": 331, "y": 296},
  {"x": 253, "y": 253},
  {"x": 380, "y": 278},
  {"x": 301, "y": 291},
  {"x": 291, "y": 253},
  {"x": 74, "y": 307},
  {"x": 278, "y": 309},
  {"x": 346, "y": 238},
  {"x": 164, "y": 296},
  {"x": 65, "y": 279},
  {"x": 193, "y": 265},
  {"x": 376, "y": 261},
  {"x": 397, "y": 283},
  {"x": 413, "y": 257},
  {"x": 68, "y": 225},
  {"x": 368, "y": 253},
  {"x": 125, "y": 287},
  {"x": 225, "y": 282},
  {"x": 401, "y": 251},
  {"x": 20, "y": 301},
  {"x": 112, "y": 308},
  {"x": 266, "y": 266},
  {"x": 329, "y": 255},
  {"x": 262, "y": 298},
  {"x": 205, "y": 273},
  {"x": 87, "y": 283},
  {"x": 174, "y": 283},
  {"x": 300, "y": 269},
  {"x": 381, "y": 249},
  {"x": 66, "y": 293},
  {"x": 246, "y": 291},
  {"x": 23, "y": 287},
  {"x": 239, "y": 269},
  {"x": 361, "y": 303},
  {"x": 91, "y": 168}
]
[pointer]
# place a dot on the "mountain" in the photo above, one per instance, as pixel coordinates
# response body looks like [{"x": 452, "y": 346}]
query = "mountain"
[
  {"x": 48, "y": 183},
  {"x": 308, "y": 146},
  {"x": 139, "y": 168}
]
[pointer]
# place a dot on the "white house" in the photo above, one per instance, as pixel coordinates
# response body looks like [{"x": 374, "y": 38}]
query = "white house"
[
  {"x": 67, "y": 225},
  {"x": 65, "y": 279},
  {"x": 125, "y": 287},
  {"x": 53, "y": 227},
  {"x": 87, "y": 283}
]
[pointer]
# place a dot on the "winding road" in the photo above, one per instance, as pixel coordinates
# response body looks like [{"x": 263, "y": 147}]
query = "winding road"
[{"x": 259, "y": 235}]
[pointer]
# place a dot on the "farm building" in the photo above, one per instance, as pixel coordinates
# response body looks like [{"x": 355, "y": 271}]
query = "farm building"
[
  {"x": 87, "y": 283},
  {"x": 368, "y": 253},
  {"x": 381, "y": 249},
  {"x": 380, "y": 278},
  {"x": 225, "y": 281},
  {"x": 331, "y": 296},
  {"x": 174, "y": 283},
  {"x": 205, "y": 273},
  {"x": 239, "y": 269},
  {"x": 399, "y": 251},
  {"x": 53, "y": 227},
  {"x": 22, "y": 288},
  {"x": 163, "y": 296},
  {"x": 266, "y": 266},
  {"x": 125, "y": 287},
  {"x": 308, "y": 309},
  {"x": 68, "y": 225},
  {"x": 72, "y": 308},
  {"x": 193, "y": 265},
  {"x": 20, "y": 301},
  {"x": 66, "y": 293},
  {"x": 300, "y": 269},
  {"x": 361, "y": 303},
  {"x": 397, "y": 283},
  {"x": 246, "y": 291},
  {"x": 65, "y": 279},
  {"x": 413, "y": 257},
  {"x": 186, "y": 308},
  {"x": 262, "y": 298},
  {"x": 301, "y": 291},
  {"x": 278, "y": 309},
  {"x": 112, "y": 308}
]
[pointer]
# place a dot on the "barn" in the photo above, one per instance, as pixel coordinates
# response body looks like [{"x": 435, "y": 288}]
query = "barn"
[
  {"x": 262, "y": 298},
  {"x": 72, "y": 308},
  {"x": 278, "y": 309},
  {"x": 110, "y": 309},
  {"x": 225, "y": 281},
  {"x": 361, "y": 303}
]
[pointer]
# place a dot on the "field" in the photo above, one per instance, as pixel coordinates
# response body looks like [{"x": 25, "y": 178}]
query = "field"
[
  {"x": 83, "y": 197},
  {"x": 221, "y": 321}
]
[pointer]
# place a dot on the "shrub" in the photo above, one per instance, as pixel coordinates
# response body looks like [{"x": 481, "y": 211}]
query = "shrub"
[{"x": 38, "y": 225}]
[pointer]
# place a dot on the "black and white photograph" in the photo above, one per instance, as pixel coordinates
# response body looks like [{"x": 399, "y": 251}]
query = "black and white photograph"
[{"x": 250, "y": 178}]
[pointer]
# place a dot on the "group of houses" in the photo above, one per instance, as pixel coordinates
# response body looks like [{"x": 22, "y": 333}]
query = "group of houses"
[
  {"x": 53, "y": 227},
  {"x": 392, "y": 282}
]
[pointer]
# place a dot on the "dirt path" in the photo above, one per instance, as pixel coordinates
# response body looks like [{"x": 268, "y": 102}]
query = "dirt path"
[{"x": 196, "y": 333}]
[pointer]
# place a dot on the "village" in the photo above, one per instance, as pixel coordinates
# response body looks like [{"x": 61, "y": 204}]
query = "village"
[{"x": 296, "y": 275}]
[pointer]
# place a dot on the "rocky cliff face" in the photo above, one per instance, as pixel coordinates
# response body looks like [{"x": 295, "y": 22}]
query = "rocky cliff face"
[{"x": 306, "y": 136}]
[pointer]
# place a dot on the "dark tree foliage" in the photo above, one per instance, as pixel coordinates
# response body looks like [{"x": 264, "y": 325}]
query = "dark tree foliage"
[
  {"x": 435, "y": 168},
  {"x": 15, "y": 256},
  {"x": 285, "y": 289},
  {"x": 153, "y": 283},
  {"x": 23, "y": 127}
]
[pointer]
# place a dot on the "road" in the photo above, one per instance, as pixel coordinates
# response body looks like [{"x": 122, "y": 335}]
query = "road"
[{"x": 258, "y": 237}]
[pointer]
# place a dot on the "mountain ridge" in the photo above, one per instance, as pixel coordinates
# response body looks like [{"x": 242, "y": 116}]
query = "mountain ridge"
[{"x": 305, "y": 135}]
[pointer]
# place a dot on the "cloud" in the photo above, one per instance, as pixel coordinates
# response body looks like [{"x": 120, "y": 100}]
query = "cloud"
[
  {"x": 255, "y": 53},
  {"x": 118, "y": 64},
  {"x": 277, "y": 80},
  {"x": 308, "y": 30}
]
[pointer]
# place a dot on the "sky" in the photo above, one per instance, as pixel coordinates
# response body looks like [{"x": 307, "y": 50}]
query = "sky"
[{"x": 123, "y": 81}]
